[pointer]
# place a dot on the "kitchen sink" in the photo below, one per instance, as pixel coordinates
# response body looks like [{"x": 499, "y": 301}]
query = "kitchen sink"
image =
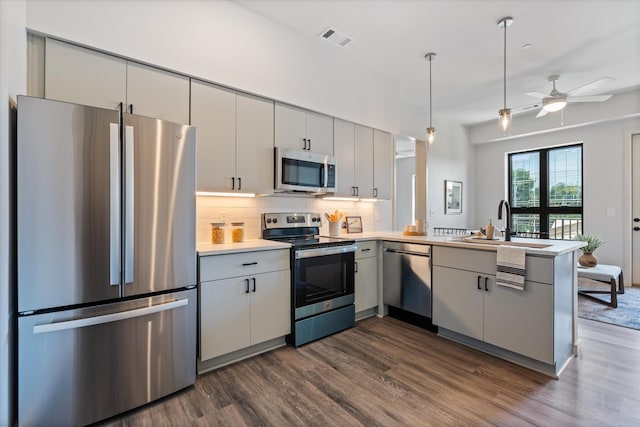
[{"x": 483, "y": 241}]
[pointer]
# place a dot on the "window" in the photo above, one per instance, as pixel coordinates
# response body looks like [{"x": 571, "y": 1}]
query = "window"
[{"x": 545, "y": 192}]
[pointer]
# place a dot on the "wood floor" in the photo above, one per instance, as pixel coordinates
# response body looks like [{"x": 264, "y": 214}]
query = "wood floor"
[{"x": 388, "y": 373}]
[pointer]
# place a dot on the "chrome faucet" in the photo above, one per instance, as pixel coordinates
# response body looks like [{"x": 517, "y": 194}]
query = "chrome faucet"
[{"x": 507, "y": 230}]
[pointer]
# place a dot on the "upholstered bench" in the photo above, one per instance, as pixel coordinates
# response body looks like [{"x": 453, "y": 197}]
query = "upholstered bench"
[{"x": 610, "y": 274}]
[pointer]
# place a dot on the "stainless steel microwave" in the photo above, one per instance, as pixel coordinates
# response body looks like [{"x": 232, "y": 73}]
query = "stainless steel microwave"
[{"x": 300, "y": 170}]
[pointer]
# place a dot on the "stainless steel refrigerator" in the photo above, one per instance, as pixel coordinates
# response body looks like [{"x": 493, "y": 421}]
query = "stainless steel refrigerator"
[{"x": 106, "y": 261}]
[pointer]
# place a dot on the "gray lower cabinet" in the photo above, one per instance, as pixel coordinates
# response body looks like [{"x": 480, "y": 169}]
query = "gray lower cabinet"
[
  {"x": 245, "y": 299},
  {"x": 366, "y": 276},
  {"x": 470, "y": 303},
  {"x": 466, "y": 300}
]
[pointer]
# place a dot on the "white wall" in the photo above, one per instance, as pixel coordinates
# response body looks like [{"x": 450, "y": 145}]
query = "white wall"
[
  {"x": 13, "y": 74},
  {"x": 450, "y": 158},
  {"x": 227, "y": 44},
  {"x": 603, "y": 180},
  {"x": 405, "y": 169}
]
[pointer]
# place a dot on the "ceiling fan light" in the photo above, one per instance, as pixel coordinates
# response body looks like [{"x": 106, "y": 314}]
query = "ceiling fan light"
[
  {"x": 431, "y": 134},
  {"x": 554, "y": 105}
]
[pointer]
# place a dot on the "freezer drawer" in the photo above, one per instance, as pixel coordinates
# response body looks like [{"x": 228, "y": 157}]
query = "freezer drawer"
[{"x": 80, "y": 366}]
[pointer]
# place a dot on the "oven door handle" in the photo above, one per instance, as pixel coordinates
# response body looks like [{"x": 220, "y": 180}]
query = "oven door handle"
[{"x": 332, "y": 250}]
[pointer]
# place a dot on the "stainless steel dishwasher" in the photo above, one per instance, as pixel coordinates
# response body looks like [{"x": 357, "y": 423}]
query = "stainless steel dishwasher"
[{"x": 407, "y": 277}]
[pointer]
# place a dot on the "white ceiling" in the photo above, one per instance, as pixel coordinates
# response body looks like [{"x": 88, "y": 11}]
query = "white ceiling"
[{"x": 581, "y": 40}]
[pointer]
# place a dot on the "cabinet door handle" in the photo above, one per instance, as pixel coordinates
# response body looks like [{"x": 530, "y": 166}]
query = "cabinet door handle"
[
  {"x": 246, "y": 264},
  {"x": 309, "y": 144},
  {"x": 233, "y": 182},
  {"x": 355, "y": 264},
  {"x": 375, "y": 192},
  {"x": 254, "y": 284},
  {"x": 357, "y": 191},
  {"x": 239, "y": 183},
  {"x": 636, "y": 228},
  {"x": 130, "y": 108},
  {"x": 486, "y": 286},
  {"x": 353, "y": 191},
  {"x": 246, "y": 290},
  {"x": 304, "y": 140},
  {"x": 479, "y": 287}
]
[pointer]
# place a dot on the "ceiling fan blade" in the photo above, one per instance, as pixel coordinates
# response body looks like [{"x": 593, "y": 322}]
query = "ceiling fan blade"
[
  {"x": 592, "y": 98},
  {"x": 589, "y": 86},
  {"x": 541, "y": 113},
  {"x": 537, "y": 94},
  {"x": 525, "y": 108}
]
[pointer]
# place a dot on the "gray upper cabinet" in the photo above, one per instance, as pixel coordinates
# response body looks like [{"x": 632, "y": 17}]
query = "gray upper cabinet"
[
  {"x": 157, "y": 93},
  {"x": 344, "y": 134},
  {"x": 364, "y": 161},
  {"x": 235, "y": 139},
  {"x": 383, "y": 161},
  {"x": 364, "y": 158},
  {"x": 83, "y": 76},
  {"x": 303, "y": 130}
]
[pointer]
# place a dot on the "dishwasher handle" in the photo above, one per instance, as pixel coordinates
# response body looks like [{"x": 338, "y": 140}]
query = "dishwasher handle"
[{"x": 403, "y": 252}]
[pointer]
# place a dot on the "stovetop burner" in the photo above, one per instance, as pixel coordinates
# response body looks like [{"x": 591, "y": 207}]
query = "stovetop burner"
[{"x": 298, "y": 229}]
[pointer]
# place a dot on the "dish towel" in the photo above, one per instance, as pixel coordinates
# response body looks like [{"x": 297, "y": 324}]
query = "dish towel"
[{"x": 510, "y": 267}]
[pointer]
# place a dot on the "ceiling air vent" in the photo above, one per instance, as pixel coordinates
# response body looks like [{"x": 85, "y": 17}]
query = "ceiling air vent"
[{"x": 336, "y": 37}]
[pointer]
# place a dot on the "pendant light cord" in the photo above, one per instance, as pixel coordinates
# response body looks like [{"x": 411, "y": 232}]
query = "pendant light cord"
[
  {"x": 430, "y": 108},
  {"x": 505, "y": 65}
]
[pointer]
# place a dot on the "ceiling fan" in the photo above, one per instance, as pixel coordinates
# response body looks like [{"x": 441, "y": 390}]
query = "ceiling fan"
[{"x": 556, "y": 101}]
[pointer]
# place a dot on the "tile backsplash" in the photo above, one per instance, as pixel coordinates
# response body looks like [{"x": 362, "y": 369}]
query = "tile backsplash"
[{"x": 375, "y": 216}]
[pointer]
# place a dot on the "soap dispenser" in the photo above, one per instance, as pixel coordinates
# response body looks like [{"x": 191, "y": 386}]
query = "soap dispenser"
[{"x": 489, "y": 230}]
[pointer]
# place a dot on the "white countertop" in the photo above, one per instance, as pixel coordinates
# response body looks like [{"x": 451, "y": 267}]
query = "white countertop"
[
  {"x": 555, "y": 248},
  {"x": 205, "y": 249}
]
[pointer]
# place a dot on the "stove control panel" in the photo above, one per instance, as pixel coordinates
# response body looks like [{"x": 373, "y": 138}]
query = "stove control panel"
[{"x": 291, "y": 220}]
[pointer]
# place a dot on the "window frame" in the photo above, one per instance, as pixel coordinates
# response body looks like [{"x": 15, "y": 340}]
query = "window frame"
[{"x": 544, "y": 211}]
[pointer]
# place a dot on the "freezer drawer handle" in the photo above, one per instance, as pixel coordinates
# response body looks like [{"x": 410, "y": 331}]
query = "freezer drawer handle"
[{"x": 108, "y": 318}]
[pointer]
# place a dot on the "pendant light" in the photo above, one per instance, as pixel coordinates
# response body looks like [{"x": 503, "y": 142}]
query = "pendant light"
[
  {"x": 505, "y": 113},
  {"x": 431, "y": 131}
]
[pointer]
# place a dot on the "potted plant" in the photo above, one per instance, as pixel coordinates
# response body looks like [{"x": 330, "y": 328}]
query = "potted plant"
[{"x": 587, "y": 259}]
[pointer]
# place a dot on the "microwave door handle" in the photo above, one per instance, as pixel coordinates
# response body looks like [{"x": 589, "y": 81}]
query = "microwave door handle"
[
  {"x": 129, "y": 205},
  {"x": 326, "y": 174},
  {"x": 114, "y": 204}
]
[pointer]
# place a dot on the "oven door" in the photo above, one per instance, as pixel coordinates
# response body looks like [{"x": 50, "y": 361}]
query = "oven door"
[{"x": 323, "y": 279}]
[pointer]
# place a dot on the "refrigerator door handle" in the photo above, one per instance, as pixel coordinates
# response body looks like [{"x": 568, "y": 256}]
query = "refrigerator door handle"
[
  {"x": 129, "y": 207},
  {"x": 108, "y": 318},
  {"x": 114, "y": 204}
]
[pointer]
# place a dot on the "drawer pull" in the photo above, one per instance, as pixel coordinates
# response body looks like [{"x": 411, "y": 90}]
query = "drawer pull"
[
  {"x": 246, "y": 264},
  {"x": 366, "y": 249}
]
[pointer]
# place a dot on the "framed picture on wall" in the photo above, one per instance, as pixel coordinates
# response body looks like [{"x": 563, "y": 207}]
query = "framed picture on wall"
[
  {"x": 452, "y": 197},
  {"x": 354, "y": 224}
]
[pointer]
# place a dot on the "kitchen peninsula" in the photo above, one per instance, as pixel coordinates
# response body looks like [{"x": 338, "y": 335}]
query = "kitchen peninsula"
[{"x": 535, "y": 327}]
